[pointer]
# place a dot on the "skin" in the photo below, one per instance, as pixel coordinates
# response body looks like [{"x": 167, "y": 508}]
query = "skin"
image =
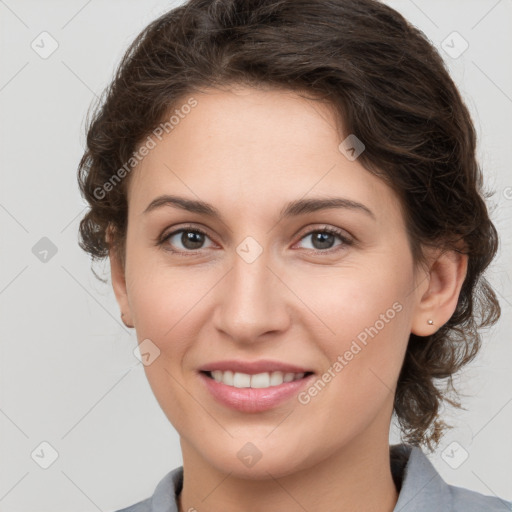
[{"x": 248, "y": 152}]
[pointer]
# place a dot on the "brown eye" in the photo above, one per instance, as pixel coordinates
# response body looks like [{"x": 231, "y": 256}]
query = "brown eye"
[
  {"x": 323, "y": 240},
  {"x": 190, "y": 240}
]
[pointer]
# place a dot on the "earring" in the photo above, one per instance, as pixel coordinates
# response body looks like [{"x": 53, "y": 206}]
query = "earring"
[
  {"x": 430, "y": 322},
  {"x": 122, "y": 318}
]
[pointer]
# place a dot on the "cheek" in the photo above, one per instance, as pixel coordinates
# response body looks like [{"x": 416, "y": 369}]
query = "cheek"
[
  {"x": 164, "y": 305},
  {"x": 365, "y": 320},
  {"x": 349, "y": 300},
  {"x": 161, "y": 297},
  {"x": 363, "y": 356}
]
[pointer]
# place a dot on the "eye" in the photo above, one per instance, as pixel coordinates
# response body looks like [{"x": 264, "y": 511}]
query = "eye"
[
  {"x": 322, "y": 240},
  {"x": 191, "y": 239}
]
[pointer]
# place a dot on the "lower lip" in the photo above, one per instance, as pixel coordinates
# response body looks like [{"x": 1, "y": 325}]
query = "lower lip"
[{"x": 253, "y": 399}]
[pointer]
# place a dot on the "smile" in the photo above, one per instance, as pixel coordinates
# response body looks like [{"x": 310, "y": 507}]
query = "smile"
[
  {"x": 258, "y": 380},
  {"x": 253, "y": 393}
]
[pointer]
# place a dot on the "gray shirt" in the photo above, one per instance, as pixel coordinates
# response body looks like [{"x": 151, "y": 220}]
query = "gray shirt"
[{"x": 421, "y": 489}]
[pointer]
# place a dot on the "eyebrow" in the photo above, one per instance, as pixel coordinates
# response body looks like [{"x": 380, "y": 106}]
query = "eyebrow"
[{"x": 292, "y": 209}]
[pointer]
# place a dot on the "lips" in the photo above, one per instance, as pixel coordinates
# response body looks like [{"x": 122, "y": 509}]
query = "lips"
[
  {"x": 253, "y": 386},
  {"x": 253, "y": 400},
  {"x": 254, "y": 367}
]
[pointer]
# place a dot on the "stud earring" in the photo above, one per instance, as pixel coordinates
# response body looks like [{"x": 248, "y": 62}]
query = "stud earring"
[
  {"x": 122, "y": 318},
  {"x": 430, "y": 322}
]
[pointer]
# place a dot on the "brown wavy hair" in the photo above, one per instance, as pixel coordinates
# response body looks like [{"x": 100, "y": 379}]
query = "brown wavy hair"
[{"x": 386, "y": 83}]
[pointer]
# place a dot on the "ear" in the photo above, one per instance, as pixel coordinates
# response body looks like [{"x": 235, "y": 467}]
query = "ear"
[
  {"x": 437, "y": 300},
  {"x": 117, "y": 273}
]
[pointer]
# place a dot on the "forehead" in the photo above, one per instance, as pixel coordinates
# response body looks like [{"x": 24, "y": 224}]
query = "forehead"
[{"x": 259, "y": 148}]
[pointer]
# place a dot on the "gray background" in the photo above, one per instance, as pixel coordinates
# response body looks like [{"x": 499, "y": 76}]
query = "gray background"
[{"x": 68, "y": 374}]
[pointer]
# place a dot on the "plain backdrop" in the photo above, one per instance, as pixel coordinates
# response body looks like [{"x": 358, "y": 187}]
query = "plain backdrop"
[{"x": 73, "y": 396}]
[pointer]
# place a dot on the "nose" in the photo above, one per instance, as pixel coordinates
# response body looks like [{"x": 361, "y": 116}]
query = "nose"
[{"x": 252, "y": 302}]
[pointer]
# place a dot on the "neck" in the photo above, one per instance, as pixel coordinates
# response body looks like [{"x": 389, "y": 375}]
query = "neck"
[{"x": 356, "y": 477}]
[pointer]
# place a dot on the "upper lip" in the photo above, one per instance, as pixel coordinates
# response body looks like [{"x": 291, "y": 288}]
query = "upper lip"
[{"x": 254, "y": 367}]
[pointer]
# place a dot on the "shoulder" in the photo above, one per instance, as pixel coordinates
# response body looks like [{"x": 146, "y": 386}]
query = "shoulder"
[
  {"x": 465, "y": 500},
  {"x": 164, "y": 498},
  {"x": 141, "y": 506},
  {"x": 424, "y": 490}
]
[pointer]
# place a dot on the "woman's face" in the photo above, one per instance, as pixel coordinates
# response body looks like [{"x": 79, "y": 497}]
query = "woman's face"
[{"x": 267, "y": 283}]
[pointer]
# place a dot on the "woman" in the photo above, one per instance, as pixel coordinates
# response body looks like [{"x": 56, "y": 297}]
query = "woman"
[{"x": 290, "y": 201}]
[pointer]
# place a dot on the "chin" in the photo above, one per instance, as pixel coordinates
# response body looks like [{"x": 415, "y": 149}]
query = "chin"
[{"x": 260, "y": 459}]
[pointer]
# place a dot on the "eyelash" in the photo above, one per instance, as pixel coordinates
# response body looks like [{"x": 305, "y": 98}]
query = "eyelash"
[{"x": 325, "y": 229}]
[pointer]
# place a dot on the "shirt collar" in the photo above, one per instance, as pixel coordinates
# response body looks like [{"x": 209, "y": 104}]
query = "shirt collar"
[{"x": 422, "y": 489}]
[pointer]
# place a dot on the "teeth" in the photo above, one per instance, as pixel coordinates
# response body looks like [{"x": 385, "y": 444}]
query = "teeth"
[
  {"x": 259, "y": 380},
  {"x": 241, "y": 380}
]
